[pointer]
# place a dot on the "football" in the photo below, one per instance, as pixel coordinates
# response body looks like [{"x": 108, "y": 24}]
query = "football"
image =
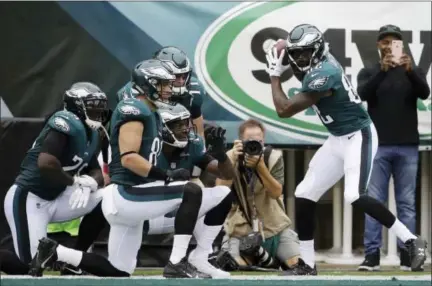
[{"x": 281, "y": 45}]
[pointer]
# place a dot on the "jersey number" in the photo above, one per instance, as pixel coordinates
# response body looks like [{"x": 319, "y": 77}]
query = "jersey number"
[
  {"x": 155, "y": 151},
  {"x": 350, "y": 89},
  {"x": 326, "y": 119},
  {"x": 78, "y": 165}
]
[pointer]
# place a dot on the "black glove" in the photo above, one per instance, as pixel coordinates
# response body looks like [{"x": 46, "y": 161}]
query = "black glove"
[
  {"x": 177, "y": 175},
  {"x": 215, "y": 139}
]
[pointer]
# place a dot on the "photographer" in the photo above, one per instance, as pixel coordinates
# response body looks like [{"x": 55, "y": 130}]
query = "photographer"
[{"x": 257, "y": 226}]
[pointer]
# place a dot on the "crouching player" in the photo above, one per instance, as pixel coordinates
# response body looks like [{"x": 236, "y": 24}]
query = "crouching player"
[
  {"x": 183, "y": 148},
  {"x": 51, "y": 185}
]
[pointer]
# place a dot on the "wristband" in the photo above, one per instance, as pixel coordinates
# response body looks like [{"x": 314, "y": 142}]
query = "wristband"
[{"x": 157, "y": 174}]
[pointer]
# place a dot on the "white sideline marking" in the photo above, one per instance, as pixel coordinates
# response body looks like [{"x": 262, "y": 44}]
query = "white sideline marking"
[{"x": 425, "y": 277}]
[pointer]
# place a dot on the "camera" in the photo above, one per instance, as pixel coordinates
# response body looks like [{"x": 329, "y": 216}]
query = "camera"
[{"x": 252, "y": 147}]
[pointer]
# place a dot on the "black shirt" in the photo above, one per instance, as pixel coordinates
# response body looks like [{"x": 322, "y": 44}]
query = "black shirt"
[{"x": 392, "y": 102}]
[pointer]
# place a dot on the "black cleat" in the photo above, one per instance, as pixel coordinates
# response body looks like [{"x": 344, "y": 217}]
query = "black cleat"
[
  {"x": 417, "y": 251},
  {"x": 300, "y": 269},
  {"x": 405, "y": 260},
  {"x": 45, "y": 256},
  {"x": 371, "y": 262},
  {"x": 183, "y": 269},
  {"x": 70, "y": 270}
]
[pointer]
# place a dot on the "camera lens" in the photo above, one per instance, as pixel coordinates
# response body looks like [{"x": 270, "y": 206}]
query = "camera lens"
[{"x": 252, "y": 147}]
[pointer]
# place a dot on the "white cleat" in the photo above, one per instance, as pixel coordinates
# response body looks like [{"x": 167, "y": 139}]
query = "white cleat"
[{"x": 204, "y": 266}]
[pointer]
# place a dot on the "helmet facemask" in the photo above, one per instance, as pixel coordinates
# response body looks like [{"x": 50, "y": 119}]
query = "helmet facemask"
[
  {"x": 180, "y": 85},
  {"x": 96, "y": 112},
  {"x": 177, "y": 125},
  {"x": 302, "y": 57},
  {"x": 176, "y": 132}
]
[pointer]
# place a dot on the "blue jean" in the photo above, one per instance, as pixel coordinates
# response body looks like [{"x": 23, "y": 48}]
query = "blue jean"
[{"x": 402, "y": 163}]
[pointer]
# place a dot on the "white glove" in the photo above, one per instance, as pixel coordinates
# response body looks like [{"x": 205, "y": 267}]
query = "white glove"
[
  {"x": 275, "y": 67},
  {"x": 86, "y": 181},
  {"x": 79, "y": 197}
]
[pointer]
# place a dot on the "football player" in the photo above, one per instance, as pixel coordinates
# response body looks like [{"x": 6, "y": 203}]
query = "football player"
[
  {"x": 139, "y": 189},
  {"x": 349, "y": 149},
  {"x": 59, "y": 175},
  {"x": 183, "y": 148},
  {"x": 186, "y": 89}
]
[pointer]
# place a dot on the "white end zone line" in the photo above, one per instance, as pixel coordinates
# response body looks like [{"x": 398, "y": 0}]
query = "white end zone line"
[{"x": 426, "y": 277}]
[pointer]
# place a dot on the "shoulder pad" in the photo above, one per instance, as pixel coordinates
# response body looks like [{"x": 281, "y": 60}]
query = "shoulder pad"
[
  {"x": 131, "y": 108},
  {"x": 125, "y": 92},
  {"x": 197, "y": 145},
  {"x": 321, "y": 78},
  {"x": 65, "y": 122}
]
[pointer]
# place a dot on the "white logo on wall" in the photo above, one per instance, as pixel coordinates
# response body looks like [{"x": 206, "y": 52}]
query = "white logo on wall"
[{"x": 61, "y": 124}]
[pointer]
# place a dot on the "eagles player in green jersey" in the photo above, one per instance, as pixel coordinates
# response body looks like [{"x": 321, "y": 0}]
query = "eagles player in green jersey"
[
  {"x": 183, "y": 148},
  {"x": 349, "y": 149},
  {"x": 59, "y": 175}
]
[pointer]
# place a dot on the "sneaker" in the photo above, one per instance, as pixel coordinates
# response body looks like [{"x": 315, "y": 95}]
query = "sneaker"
[
  {"x": 202, "y": 265},
  {"x": 45, "y": 256},
  {"x": 300, "y": 269},
  {"x": 371, "y": 262},
  {"x": 405, "y": 260},
  {"x": 417, "y": 252},
  {"x": 183, "y": 269}
]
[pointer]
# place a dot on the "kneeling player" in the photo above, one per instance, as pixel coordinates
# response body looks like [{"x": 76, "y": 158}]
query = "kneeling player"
[
  {"x": 185, "y": 149},
  {"x": 140, "y": 190},
  {"x": 49, "y": 187}
]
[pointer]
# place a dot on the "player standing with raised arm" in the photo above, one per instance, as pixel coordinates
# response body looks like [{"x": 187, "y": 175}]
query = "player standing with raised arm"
[{"x": 349, "y": 150}]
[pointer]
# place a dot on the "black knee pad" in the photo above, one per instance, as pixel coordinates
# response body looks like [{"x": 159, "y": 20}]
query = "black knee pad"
[
  {"x": 218, "y": 214},
  {"x": 187, "y": 213},
  {"x": 375, "y": 209},
  {"x": 192, "y": 189}
]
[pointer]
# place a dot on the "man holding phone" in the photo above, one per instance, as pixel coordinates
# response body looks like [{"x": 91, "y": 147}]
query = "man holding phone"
[{"x": 391, "y": 89}]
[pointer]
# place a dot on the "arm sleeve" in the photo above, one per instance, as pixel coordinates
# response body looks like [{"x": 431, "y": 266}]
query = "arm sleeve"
[
  {"x": 54, "y": 143},
  {"x": 419, "y": 82},
  {"x": 367, "y": 84}
]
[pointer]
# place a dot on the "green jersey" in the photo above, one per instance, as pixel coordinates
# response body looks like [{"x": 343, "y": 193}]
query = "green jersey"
[
  {"x": 81, "y": 149},
  {"x": 151, "y": 145},
  {"x": 341, "y": 112},
  {"x": 192, "y": 157}
]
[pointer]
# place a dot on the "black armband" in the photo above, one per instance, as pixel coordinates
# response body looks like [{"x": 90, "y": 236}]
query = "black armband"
[
  {"x": 127, "y": 153},
  {"x": 157, "y": 174}
]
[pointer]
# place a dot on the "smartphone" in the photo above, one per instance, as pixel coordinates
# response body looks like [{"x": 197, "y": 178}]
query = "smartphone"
[{"x": 397, "y": 50}]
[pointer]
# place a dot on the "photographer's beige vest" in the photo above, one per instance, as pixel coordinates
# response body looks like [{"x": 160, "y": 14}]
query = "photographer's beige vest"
[{"x": 271, "y": 212}]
